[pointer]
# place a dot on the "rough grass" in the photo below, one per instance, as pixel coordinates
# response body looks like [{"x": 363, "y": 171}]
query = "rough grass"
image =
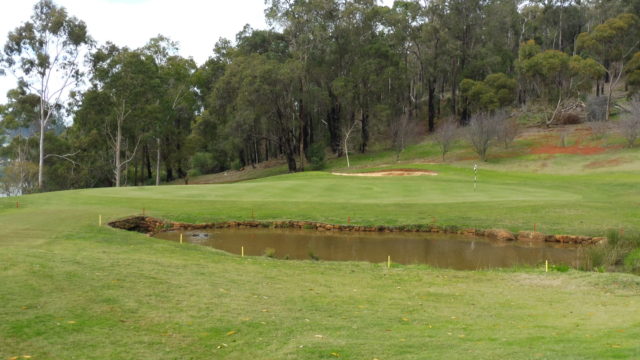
[
  {"x": 71, "y": 289},
  {"x": 517, "y": 157}
]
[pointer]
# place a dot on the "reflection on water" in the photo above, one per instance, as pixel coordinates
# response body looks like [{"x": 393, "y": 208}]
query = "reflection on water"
[{"x": 449, "y": 251}]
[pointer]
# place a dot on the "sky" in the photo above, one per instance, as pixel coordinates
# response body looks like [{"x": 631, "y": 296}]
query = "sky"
[{"x": 195, "y": 24}]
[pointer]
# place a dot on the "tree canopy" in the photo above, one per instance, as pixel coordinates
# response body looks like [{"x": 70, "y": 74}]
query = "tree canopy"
[{"x": 326, "y": 76}]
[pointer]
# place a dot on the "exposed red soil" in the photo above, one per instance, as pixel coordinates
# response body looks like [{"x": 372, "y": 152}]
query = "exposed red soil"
[
  {"x": 575, "y": 150},
  {"x": 606, "y": 163}
]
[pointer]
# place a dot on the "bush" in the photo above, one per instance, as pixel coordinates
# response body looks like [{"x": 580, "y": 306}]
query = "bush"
[
  {"x": 597, "y": 109},
  {"x": 203, "y": 162},
  {"x": 270, "y": 252},
  {"x": 629, "y": 125},
  {"x": 632, "y": 261},
  {"x": 560, "y": 268},
  {"x": 236, "y": 164},
  {"x": 316, "y": 156},
  {"x": 598, "y": 129},
  {"x": 618, "y": 251},
  {"x": 194, "y": 173},
  {"x": 569, "y": 119}
]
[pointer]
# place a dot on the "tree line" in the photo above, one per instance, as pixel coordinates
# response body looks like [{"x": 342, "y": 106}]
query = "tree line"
[{"x": 327, "y": 77}]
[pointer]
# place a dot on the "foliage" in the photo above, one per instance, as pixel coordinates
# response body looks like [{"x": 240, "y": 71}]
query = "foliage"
[
  {"x": 596, "y": 108},
  {"x": 202, "y": 162},
  {"x": 632, "y": 261},
  {"x": 48, "y": 45},
  {"x": 327, "y": 73},
  {"x": 482, "y": 130},
  {"x": 445, "y": 136},
  {"x": 619, "y": 250},
  {"x": 317, "y": 156},
  {"x": 19, "y": 177},
  {"x": 629, "y": 125},
  {"x": 508, "y": 130}
]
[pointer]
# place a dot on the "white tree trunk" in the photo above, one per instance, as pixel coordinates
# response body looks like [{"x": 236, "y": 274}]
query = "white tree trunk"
[
  {"x": 617, "y": 72},
  {"x": 346, "y": 149},
  {"x": 118, "y": 161},
  {"x": 41, "y": 155}
]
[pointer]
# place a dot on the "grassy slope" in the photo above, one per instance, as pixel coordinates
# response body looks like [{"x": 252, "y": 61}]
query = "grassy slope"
[
  {"x": 585, "y": 204},
  {"x": 70, "y": 289}
]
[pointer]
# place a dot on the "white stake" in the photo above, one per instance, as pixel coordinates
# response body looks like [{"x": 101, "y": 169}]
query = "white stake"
[{"x": 475, "y": 176}]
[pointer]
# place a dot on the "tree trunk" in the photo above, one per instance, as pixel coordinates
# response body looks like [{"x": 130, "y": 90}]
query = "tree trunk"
[
  {"x": 117, "y": 153},
  {"x": 346, "y": 148},
  {"x": 147, "y": 161},
  {"x": 365, "y": 130},
  {"x": 157, "y": 161},
  {"x": 301, "y": 119},
  {"x": 333, "y": 124},
  {"x": 169, "y": 173},
  {"x": 41, "y": 155},
  {"x": 431, "y": 105}
]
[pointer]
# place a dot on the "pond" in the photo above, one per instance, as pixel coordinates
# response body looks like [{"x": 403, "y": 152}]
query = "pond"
[{"x": 447, "y": 251}]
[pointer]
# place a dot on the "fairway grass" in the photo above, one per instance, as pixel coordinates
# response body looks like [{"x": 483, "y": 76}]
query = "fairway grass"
[{"x": 70, "y": 289}]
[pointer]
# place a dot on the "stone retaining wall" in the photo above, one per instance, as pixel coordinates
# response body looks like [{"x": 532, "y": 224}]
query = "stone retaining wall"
[{"x": 150, "y": 225}]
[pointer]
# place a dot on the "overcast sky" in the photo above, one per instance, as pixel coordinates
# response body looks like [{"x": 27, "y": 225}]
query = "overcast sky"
[{"x": 195, "y": 24}]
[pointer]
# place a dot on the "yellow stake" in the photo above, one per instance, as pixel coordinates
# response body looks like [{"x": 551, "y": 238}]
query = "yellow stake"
[
  {"x": 99, "y": 220},
  {"x": 242, "y": 251},
  {"x": 388, "y": 261},
  {"x": 546, "y": 266},
  {"x": 180, "y": 238}
]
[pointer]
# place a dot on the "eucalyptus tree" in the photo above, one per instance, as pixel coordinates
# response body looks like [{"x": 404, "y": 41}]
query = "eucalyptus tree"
[
  {"x": 612, "y": 44},
  {"x": 175, "y": 101},
  {"x": 44, "y": 53},
  {"x": 128, "y": 81},
  {"x": 306, "y": 30}
]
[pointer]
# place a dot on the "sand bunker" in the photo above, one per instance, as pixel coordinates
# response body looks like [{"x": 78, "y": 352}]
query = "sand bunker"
[{"x": 392, "y": 172}]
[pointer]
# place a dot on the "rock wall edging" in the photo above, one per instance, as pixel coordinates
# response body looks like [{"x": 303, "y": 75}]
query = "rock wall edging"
[{"x": 151, "y": 226}]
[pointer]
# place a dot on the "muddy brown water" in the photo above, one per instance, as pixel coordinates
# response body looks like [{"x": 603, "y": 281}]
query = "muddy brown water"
[{"x": 447, "y": 251}]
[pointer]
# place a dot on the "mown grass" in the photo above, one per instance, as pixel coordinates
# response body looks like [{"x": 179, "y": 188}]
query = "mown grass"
[{"x": 71, "y": 289}]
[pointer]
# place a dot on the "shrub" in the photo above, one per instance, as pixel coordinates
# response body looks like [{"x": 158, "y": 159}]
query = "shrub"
[
  {"x": 269, "y": 252},
  {"x": 202, "y": 162},
  {"x": 629, "y": 126},
  {"x": 446, "y": 135},
  {"x": 597, "y": 109},
  {"x": 632, "y": 261},
  {"x": 619, "y": 250},
  {"x": 560, "y": 268},
  {"x": 598, "y": 129},
  {"x": 236, "y": 164},
  {"x": 569, "y": 119},
  {"x": 482, "y": 130},
  {"x": 508, "y": 130},
  {"x": 194, "y": 173},
  {"x": 316, "y": 156}
]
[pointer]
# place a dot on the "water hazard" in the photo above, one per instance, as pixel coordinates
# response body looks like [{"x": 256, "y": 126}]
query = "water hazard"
[{"x": 447, "y": 251}]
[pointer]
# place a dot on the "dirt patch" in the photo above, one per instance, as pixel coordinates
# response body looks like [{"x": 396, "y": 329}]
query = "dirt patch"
[
  {"x": 606, "y": 163},
  {"x": 574, "y": 150},
  {"x": 392, "y": 172}
]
